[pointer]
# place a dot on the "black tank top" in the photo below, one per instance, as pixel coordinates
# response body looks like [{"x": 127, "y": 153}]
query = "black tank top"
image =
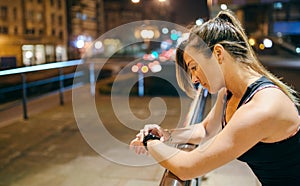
[{"x": 277, "y": 163}]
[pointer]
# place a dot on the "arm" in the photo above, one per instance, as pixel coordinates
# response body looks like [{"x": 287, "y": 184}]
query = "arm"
[
  {"x": 205, "y": 130},
  {"x": 249, "y": 125},
  {"x": 193, "y": 134}
]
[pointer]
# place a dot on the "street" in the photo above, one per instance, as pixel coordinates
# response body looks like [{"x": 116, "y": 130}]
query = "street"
[{"x": 48, "y": 148}]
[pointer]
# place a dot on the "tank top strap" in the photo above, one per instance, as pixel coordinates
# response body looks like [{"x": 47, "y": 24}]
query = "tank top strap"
[{"x": 255, "y": 87}]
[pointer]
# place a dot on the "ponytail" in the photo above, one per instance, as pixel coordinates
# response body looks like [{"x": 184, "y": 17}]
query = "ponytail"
[
  {"x": 229, "y": 17},
  {"x": 226, "y": 29}
]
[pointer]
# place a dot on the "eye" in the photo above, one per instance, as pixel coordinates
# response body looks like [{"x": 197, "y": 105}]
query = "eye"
[{"x": 193, "y": 68}]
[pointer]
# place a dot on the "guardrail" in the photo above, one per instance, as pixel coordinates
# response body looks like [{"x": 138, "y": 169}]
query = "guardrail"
[
  {"x": 60, "y": 78},
  {"x": 195, "y": 115}
]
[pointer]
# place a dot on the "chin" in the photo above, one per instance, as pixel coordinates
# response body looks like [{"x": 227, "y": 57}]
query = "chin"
[{"x": 214, "y": 90}]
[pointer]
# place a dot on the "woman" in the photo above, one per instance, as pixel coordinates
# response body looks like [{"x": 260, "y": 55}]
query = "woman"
[{"x": 260, "y": 124}]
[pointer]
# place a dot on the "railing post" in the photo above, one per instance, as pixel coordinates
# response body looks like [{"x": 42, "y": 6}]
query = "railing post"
[
  {"x": 92, "y": 78},
  {"x": 61, "y": 86},
  {"x": 24, "y": 96},
  {"x": 140, "y": 83}
]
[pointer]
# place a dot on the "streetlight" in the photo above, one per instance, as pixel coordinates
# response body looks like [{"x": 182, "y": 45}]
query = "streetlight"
[{"x": 135, "y": 1}]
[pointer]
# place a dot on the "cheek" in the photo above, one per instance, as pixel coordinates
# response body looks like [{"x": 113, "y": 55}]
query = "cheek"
[{"x": 213, "y": 76}]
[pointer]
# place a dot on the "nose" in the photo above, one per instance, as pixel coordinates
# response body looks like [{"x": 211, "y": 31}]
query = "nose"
[{"x": 195, "y": 79}]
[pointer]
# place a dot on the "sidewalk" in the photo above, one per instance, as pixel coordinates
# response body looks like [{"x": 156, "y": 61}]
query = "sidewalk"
[{"x": 48, "y": 149}]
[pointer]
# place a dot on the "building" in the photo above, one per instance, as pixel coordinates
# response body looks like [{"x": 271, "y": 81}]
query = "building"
[
  {"x": 119, "y": 12},
  {"x": 32, "y": 32},
  {"x": 85, "y": 24}
]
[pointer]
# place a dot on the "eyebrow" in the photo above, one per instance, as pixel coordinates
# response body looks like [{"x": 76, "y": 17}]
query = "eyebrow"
[{"x": 189, "y": 62}]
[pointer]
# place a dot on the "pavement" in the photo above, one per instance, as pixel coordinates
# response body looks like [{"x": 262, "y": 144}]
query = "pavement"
[{"x": 49, "y": 149}]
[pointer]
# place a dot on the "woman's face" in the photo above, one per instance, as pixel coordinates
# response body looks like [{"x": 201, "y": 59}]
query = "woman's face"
[{"x": 205, "y": 71}]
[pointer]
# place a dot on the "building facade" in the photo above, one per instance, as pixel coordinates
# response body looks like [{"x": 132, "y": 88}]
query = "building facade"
[
  {"x": 32, "y": 32},
  {"x": 85, "y": 24}
]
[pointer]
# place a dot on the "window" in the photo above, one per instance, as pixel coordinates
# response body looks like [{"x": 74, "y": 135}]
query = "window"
[
  {"x": 78, "y": 15},
  {"x": 84, "y": 17},
  {"x": 61, "y": 35},
  {"x": 29, "y": 31},
  {"x": 53, "y": 19},
  {"x": 3, "y": 13},
  {"x": 60, "y": 20},
  {"x": 39, "y": 16},
  {"x": 3, "y": 30},
  {"x": 31, "y": 15},
  {"x": 15, "y": 14},
  {"x": 53, "y": 32},
  {"x": 59, "y": 4},
  {"x": 52, "y": 2},
  {"x": 16, "y": 30},
  {"x": 41, "y": 32}
]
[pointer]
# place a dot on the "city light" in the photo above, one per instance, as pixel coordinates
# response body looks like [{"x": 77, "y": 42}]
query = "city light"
[
  {"x": 199, "y": 21},
  {"x": 147, "y": 34},
  {"x": 98, "y": 44},
  {"x": 277, "y": 5},
  {"x": 135, "y": 1},
  {"x": 28, "y": 54},
  {"x": 252, "y": 41},
  {"x": 298, "y": 50},
  {"x": 144, "y": 69},
  {"x": 155, "y": 66},
  {"x": 134, "y": 68},
  {"x": 80, "y": 44},
  {"x": 223, "y": 7},
  {"x": 165, "y": 30},
  {"x": 268, "y": 43}
]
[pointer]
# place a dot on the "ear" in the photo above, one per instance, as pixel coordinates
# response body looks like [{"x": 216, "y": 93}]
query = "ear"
[{"x": 219, "y": 52}]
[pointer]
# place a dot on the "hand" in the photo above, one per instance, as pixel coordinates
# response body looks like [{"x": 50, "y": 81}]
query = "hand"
[
  {"x": 158, "y": 131},
  {"x": 137, "y": 144}
]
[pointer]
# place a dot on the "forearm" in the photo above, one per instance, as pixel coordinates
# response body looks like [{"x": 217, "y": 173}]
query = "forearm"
[
  {"x": 177, "y": 161},
  {"x": 192, "y": 134},
  {"x": 166, "y": 156}
]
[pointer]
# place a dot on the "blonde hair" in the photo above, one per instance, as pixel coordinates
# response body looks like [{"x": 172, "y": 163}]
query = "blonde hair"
[{"x": 225, "y": 29}]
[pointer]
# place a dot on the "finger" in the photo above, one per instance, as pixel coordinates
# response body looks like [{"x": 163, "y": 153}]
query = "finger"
[
  {"x": 142, "y": 150},
  {"x": 133, "y": 144},
  {"x": 149, "y": 128}
]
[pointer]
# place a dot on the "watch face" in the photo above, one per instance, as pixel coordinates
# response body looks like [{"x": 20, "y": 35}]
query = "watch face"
[{"x": 150, "y": 136}]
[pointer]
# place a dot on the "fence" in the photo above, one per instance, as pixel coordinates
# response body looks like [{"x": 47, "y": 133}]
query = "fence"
[{"x": 60, "y": 79}]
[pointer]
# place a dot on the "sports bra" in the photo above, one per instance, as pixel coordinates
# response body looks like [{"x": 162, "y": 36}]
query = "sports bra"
[{"x": 273, "y": 163}]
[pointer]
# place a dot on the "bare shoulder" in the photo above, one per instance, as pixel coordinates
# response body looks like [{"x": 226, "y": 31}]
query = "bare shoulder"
[
  {"x": 272, "y": 112},
  {"x": 273, "y": 102}
]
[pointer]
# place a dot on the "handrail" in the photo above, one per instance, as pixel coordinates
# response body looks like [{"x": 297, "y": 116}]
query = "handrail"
[
  {"x": 40, "y": 67},
  {"x": 24, "y": 85},
  {"x": 195, "y": 115}
]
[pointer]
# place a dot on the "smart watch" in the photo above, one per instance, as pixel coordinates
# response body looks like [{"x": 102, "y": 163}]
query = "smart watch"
[{"x": 150, "y": 136}]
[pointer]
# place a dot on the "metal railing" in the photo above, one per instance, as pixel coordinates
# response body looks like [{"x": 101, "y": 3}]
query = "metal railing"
[
  {"x": 25, "y": 85},
  {"x": 196, "y": 115}
]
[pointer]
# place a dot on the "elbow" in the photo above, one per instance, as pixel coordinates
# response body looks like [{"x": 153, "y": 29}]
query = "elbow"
[
  {"x": 184, "y": 177},
  {"x": 185, "y": 173}
]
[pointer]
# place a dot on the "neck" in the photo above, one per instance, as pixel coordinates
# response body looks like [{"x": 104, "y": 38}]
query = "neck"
[{"x": 238, "y": 80}]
